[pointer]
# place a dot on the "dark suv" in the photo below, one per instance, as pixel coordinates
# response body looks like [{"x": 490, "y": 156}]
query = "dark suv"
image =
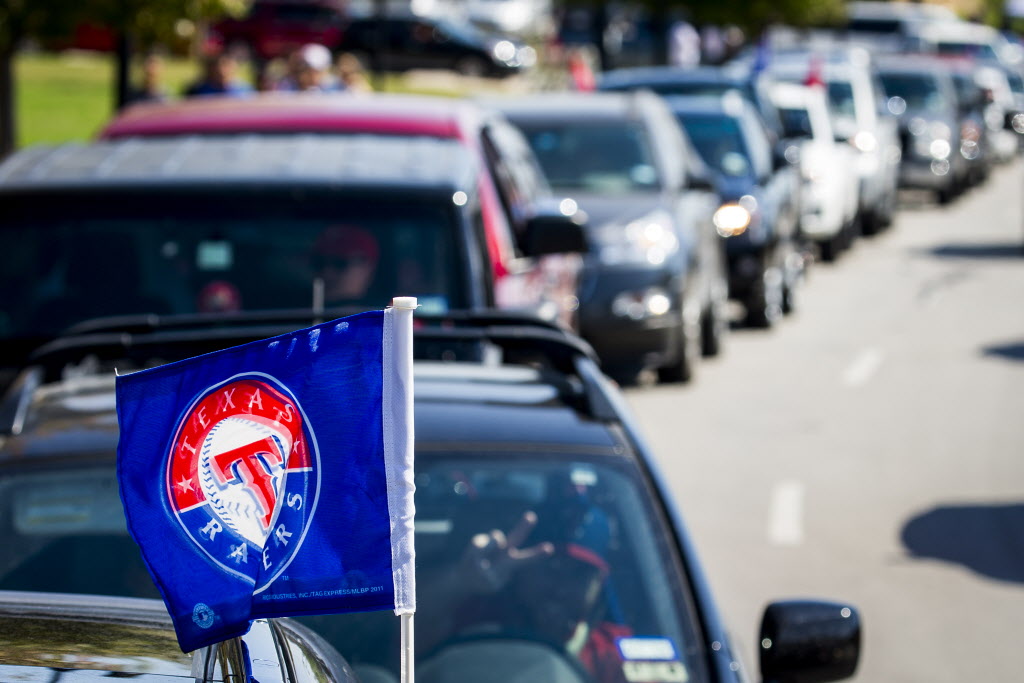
[
  {"x": 654, "y": 285},
  {"x": 546, "y": 540},
  {"x": 223, "y": 227},
  {"x": 401, "y": 43}
]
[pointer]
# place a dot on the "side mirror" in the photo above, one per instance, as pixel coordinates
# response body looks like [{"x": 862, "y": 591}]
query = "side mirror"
[
  {"x": 555, "y": 229},
  {"x": 809, "y": 641}
]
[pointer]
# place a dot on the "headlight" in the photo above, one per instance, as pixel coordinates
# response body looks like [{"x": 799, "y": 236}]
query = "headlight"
[
  {"x": 864, "y": 141},
  {"x": 731, "y": 220},
  {"x": 931, "y": 139},
  {"x": 647, "y": 303},
  {"x": 939, "y": 149},
  {"x": 504, "y": 51},
  {"x": 651, "y": 239}
]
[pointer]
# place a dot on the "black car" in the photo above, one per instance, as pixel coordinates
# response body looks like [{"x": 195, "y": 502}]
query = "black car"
[
  {"x": 654, "y": 286},
  {"x": 218, "y": 226},
  {"x": 546, "y": 540},
  {"x": 394, "y": 43},
  {"x": 759, "y": 218},
  {"x": 62, "y": 636}
]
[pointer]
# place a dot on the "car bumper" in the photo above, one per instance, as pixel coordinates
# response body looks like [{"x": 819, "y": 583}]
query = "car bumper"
[
  {"x": 618, "y": 319},
  {"x": 925, "y": 174}
]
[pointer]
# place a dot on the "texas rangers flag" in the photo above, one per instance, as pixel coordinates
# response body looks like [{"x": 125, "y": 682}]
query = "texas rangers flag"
[{"x": 275, "y": 478}]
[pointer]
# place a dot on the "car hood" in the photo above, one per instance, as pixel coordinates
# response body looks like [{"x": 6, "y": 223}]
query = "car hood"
[
  {"x": 730, "y": 188},
  {"x": 607, "y": 215}
]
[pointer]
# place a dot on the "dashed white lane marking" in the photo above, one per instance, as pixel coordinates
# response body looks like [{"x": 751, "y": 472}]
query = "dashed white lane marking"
[
  {"x": 863, "y": 367},
  {"x": 786, "y": 516}
]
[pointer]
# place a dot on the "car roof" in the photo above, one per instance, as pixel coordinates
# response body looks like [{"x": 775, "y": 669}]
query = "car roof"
[
  {"x": 384, "y": 114},
  {"x": 576, "y": 106},
  {"x": 309, "y": 160},
  {"x": 651, "y": 75},
  {"x": 731, "y": 104},
  {"x": 913, "y": 63},
  {"x": 536, "y": 384}
]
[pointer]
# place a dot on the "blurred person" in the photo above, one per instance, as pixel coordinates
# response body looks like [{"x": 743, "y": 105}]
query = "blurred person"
[
  {"x": 555, "y": 591},
  {"x": 351, "y": 75},
  {"x": 309, "y": 70},
  {"x": 151, "y": 89},
  {"x": 220, "y": 77},
  {"x": 345, "y": 258},
  {"x": 683, "y": 44}
]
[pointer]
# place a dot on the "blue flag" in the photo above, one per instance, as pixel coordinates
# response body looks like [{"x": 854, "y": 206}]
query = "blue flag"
[{"x": 275, "y": 478}]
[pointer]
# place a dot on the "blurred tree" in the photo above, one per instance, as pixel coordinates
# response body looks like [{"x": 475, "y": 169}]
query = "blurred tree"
[{"x": 134, "y": 24}]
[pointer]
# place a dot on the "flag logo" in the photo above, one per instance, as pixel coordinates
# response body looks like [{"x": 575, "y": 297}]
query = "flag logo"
[{"x": 242, "y": 476}]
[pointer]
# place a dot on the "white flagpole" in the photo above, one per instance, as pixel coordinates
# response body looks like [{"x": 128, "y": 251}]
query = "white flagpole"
[
  {"x": 408, "y": 673},
  {"x": 402, "y": 309}
]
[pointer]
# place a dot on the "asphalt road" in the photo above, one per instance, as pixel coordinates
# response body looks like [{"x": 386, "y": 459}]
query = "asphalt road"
[{"x": 871, "y": 448}]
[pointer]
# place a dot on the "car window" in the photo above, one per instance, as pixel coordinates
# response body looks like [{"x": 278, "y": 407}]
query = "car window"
[
  {"x": 610, "y": 568},
  {"x": 796, "y": 122},
  {"x": 194, "y": 252},
  {"x": 966, "y": 49},
  {"x": 596, "y": 517},
  {"x": 921, "y": 92},
  {"x": 609, "y": 157},
  {"x": 519, "y": 180},
  {"x": 840, "y": 96},
  {"x": 720, "y": 143}
]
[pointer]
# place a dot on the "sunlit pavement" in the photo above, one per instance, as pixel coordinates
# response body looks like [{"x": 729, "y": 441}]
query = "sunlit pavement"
[{"x": 869, "y": 448}]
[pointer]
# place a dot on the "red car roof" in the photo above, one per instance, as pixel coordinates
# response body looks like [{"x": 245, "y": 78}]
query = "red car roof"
[{"x": 312, "y": 113}]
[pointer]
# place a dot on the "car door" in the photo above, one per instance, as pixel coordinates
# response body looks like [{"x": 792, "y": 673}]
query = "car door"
[{"x": 547, "y": 283}]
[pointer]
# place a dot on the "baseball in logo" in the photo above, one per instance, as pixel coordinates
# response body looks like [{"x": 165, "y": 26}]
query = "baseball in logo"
[{"x": 242, "y": 476}]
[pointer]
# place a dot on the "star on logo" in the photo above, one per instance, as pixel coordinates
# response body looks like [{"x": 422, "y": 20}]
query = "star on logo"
[{"x": 184, "y": 484}]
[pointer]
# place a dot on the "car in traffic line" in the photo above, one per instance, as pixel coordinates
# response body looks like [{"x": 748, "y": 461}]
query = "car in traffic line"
[
  {"x": 546, "y": 539},
  {"x": 759, "y": 219},
  {"x": 402, "y": 43},
  {"x": 273, "y": 29},
  {"x": 81, "y": 637},
  {"x": 654, "y": 287},
  {"x": 859, "y": 119},
  {"x": 921, "y": 93},
  {"x": 512, "y": 187},
  {"x": 830, "y": 196},
  {"x": 223, "y": 226}
]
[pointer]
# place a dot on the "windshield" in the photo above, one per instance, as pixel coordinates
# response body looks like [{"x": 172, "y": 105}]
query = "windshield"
[
  {"x": 840, "y": 97},
  {"x": 796, "y": 122},
  {"x": 73, "y": 257},
  {"x": 920, "y": 91},
  {"x": 720, "y": 143},
  {"x": 609, "y": 157},
  {"x": 601, "y": 572},
  {"x": 967, "y": 49}
]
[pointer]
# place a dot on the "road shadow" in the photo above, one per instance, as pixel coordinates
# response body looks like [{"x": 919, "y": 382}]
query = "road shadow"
[
  {"x": 1013, "y": 351},
  {"x": 1013, "y": 250},
  {"x": 987, "y": 539}
]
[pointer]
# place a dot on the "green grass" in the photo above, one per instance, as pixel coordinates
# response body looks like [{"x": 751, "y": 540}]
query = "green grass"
[{"x": 70, "y": 96}]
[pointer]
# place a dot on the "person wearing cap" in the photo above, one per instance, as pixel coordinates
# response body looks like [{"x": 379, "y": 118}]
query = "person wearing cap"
[
  {"x": 309, "y": 70},
  {"x": 553, "y": 591},
  {"x": 345, "y": 258}
]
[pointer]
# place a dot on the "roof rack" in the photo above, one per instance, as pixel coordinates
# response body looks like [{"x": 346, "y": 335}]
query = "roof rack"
[
  {"x": 487, "y": 337},
  {"x": 455, "y": 335}
]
